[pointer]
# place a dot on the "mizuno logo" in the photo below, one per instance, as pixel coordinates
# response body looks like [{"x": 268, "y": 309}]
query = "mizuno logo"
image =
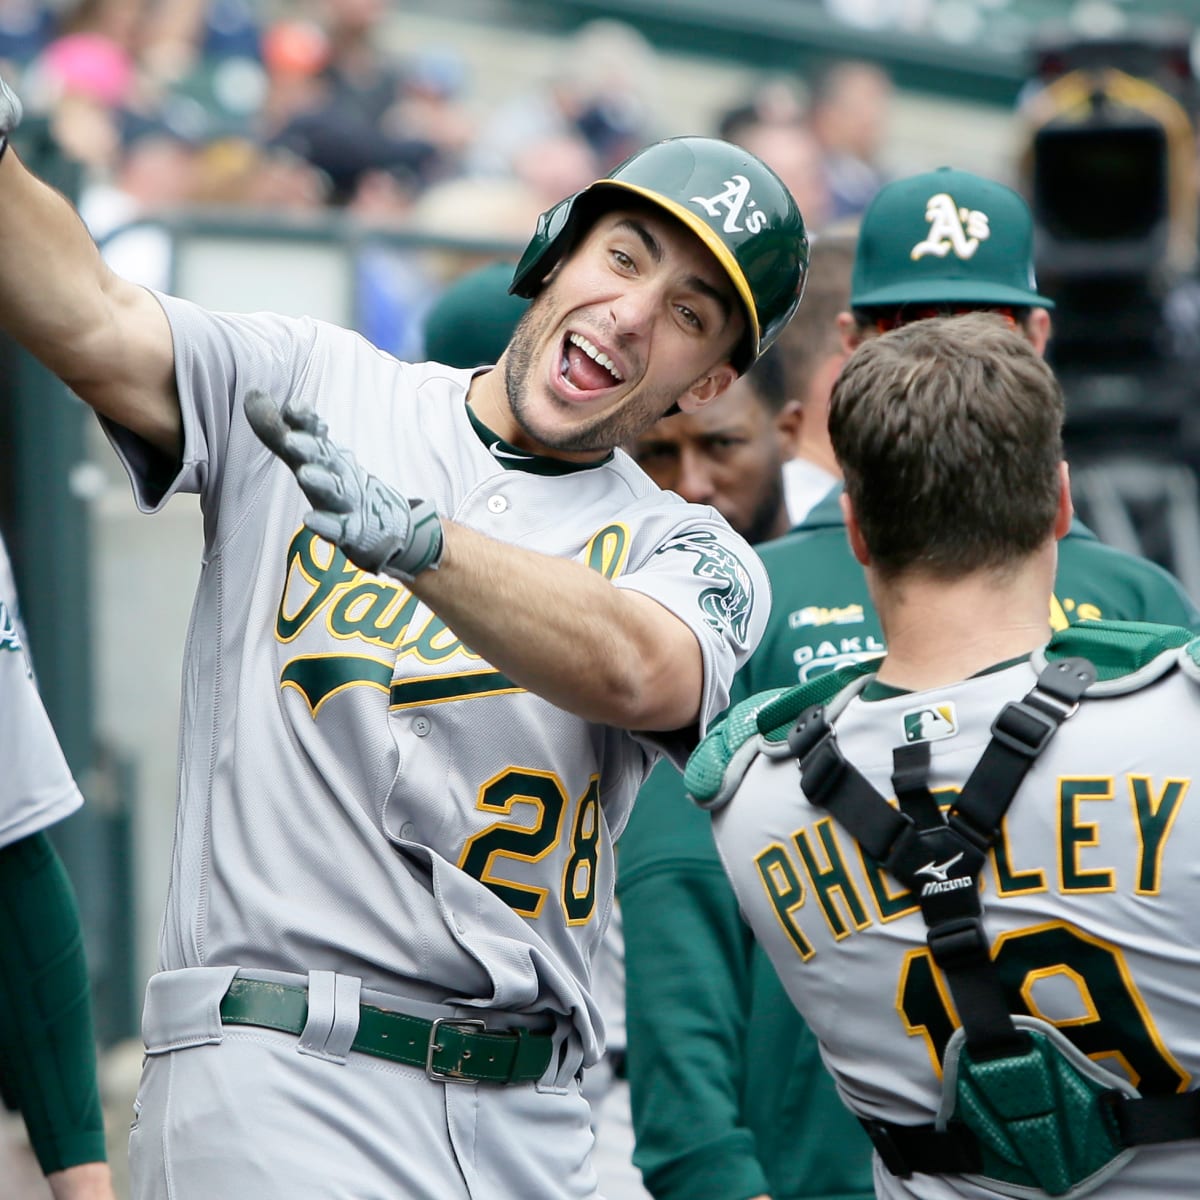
[
  {"x": 939, "y": 871},
  {"x": 498, "y": 453},
  {"x": 940, "y": 882}
]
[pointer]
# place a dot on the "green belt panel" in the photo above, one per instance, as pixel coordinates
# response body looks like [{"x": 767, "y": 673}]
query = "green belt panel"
[{"x": 460, "y": 1053}]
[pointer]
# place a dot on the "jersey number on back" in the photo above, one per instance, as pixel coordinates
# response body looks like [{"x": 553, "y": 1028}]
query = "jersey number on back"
[
  {"x": 1111, "y": 1024},
  {"x": 531, "y": 841}
]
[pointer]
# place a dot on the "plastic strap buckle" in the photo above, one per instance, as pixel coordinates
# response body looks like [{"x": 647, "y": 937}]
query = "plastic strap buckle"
[
  {"x": 885, "y": 1146},
  {"x": 1023, "y": 728}
]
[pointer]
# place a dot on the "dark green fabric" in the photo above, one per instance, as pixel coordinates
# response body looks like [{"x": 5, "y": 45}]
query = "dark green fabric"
[
  {"x": 730, "y": 1096},
  {"x": 1116, "y": 650},
  {"x": 47, "y": 1046},
  {"x": 821, "y": 614}
]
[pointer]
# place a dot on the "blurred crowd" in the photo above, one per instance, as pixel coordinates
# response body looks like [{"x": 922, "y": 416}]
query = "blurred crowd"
[{"x": 201, "y": 103}]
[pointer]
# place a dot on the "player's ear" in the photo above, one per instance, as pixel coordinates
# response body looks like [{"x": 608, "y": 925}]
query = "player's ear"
[
  {"x": 1066, "y": 509},
  {"x": 1037, "y": 326},
  {"x": 854, "y": 533},
  {"x": 848, "y": 332},
  {"x": 787, "y": 425},
  {"x": 708, "y": 387}
]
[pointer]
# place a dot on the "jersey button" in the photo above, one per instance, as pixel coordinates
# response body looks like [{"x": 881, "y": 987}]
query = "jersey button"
[
  {"x": 421, "y": 726},
  {"x": 497, "y": 504}
]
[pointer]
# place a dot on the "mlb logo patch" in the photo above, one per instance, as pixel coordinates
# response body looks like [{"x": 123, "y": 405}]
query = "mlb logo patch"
[{"x": 931, "y": 723}]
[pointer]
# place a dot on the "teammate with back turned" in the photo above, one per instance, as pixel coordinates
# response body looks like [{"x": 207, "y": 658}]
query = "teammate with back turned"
[
  {"x": 1000, "y": 963},
  {"x": 413, "y": 728}
]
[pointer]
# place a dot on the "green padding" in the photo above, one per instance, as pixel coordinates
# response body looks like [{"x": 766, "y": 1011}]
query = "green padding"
[
  {"x": 706, "y": 768},
  {"x": 772, "y": 714},
  {"x": 1116, "y": 648},
  {"x": 776, "y": 719},
  {"x": 47, "y": 1047},
  {"x": 1039, "y": 1120}
]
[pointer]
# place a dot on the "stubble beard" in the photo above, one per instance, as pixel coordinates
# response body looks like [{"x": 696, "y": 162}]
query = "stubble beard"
[
  {"x": 761, "y": 525},
  {"x": 603, "y": 432}
]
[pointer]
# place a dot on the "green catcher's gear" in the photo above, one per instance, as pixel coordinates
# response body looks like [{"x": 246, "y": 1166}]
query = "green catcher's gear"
[{"x": 735, "y": 204}]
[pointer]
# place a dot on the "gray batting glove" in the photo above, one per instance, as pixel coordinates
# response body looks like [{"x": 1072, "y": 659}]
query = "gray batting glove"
[
  {"x": 372, "y": 524},
  {"x": 10, "y": 109}
]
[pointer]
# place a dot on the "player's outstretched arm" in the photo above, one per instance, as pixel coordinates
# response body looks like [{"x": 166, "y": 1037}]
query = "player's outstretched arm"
[
  {"x": 553, "y": 626},
  {"x": 106, "y": 338},
  {"x": 562, "y": 630}
]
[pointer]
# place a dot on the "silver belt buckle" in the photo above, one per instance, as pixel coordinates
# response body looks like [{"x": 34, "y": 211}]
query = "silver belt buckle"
[{"x": 455, "y": 1023}]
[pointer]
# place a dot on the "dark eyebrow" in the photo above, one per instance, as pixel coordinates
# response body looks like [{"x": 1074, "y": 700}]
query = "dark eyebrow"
[
  {"x": 702, "y": 285},
  {"x": 655, "y": 250}
]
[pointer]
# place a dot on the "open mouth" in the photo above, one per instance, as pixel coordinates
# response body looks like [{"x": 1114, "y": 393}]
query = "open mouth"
[{"x": 585, "y": 368}]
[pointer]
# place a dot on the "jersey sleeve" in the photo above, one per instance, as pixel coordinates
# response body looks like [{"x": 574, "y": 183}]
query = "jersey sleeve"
[
  {"x": 715, "y": 583},
  {"x": 218, "y": 358},
  {"x": 36, "y": 785}
]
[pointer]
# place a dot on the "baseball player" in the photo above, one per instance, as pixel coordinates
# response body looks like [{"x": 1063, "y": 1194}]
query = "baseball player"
[
  {"x": 422, "y": 687},
  {"x": 978, "y": 887},
  {"x": 47, "y": 1046},
  {"x": 714, "y": 1109}
]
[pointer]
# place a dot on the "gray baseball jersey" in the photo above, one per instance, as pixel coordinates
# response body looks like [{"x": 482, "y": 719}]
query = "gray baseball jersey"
[
  {"x": 359, "y": 791},
  {"x": 1089, "y": 901},
  {"x": 36, "y": 785}
]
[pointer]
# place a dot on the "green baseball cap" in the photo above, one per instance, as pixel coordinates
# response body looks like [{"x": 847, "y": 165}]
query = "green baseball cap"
[
  {"x": 471, "y": 322},
  {"x": 944, "y": 237}
]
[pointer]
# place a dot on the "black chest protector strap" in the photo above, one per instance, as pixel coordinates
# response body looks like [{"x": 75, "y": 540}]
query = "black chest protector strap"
[{"x": 938, "y": 857}]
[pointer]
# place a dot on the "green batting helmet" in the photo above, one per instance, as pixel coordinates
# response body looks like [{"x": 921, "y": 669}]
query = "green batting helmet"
[{"x": 734, "y": 203}]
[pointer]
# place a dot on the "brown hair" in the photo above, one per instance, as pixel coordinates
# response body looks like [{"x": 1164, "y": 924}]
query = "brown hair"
[{"x": 949, "y": 433}]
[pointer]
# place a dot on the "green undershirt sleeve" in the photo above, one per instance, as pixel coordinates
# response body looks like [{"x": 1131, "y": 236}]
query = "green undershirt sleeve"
[{"x": 47, "y": 1046}]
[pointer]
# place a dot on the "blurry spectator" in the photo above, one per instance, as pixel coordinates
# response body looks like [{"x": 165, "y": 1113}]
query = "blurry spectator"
[
  {"x": 153, "y": 171},
  {"x": 848, "y": 113},
  {"x": 25, "y": 29},
  {"x": 83, "y": 76},
  {"x": 294, "y": 55},
  {"x": 495, "y": 214},
  {"x": 792, "y": 151},
  {"x": 774, "y": 101},
  {"x": 431, "y": 106},
  {"x": 557, "y": 165},
  {"x": 396, "y": 287},
  {"x": 602, "y": 87},
  {"x": 364, "y": 79},
  {"x": 813, "y": 355},
  {"x": 616, "y": 73},
  {"x": 339, "y": 142},
  {"x": 239, "y": 171}
]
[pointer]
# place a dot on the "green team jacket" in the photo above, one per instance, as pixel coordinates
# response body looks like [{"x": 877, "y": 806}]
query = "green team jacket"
[{"x": 730, "y": 1099}]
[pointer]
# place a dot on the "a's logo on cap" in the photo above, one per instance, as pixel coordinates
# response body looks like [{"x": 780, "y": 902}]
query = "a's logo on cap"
[
  {"x": 951, "y": 229},
  {"x": 930, "y": 723},
  {"x": 732, "y": 200}
]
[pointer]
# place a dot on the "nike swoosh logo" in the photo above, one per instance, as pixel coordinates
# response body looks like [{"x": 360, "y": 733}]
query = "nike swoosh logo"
[{"x": 498, "y": 453}]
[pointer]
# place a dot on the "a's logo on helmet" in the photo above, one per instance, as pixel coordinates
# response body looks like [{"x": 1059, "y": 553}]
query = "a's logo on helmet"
[
  {"x": 731, "y": 202},
  {"x": 952, "y": 229}
]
